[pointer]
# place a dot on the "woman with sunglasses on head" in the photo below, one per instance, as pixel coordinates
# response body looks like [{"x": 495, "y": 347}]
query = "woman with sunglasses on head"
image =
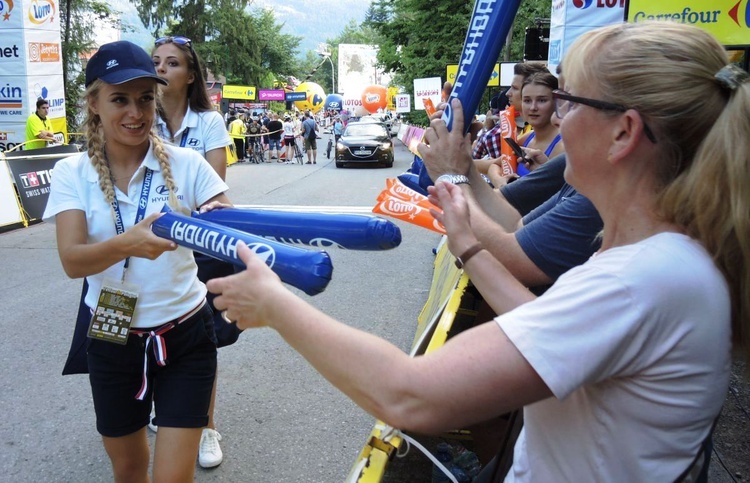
[
  {"x": 186, "y": 118},
  {"x": 161, "y": 345},
  {"x": 622, "y": 366}
]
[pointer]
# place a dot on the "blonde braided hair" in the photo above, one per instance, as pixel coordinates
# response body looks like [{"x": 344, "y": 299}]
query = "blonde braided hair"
[
  {"x": 166, "y": 170},
  {"x": 95, "y": 140}
]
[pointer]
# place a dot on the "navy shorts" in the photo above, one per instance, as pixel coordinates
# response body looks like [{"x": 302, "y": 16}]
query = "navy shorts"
[
  {"x": 274, "y": 144},
  {"x": 181, "y": 390}
]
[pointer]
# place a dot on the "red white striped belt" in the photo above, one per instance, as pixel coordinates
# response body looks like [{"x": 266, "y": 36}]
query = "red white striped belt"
[{"x": 154, "y": 338}]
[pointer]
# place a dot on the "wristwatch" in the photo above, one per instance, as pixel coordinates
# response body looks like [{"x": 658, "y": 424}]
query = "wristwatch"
[{"x": 453, "y": 179}]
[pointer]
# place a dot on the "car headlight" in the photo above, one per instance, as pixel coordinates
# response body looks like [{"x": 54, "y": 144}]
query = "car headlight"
[
  {"x": 340, "y": 147},
  {"x": 385, "y": 145}
]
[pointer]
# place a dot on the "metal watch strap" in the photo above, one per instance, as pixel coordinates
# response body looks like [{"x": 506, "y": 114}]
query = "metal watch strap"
[{"x": 453, "y": 178}]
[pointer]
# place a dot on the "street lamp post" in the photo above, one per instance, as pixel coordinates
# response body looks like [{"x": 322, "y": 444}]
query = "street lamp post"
[{"x": 326, "y": 55}]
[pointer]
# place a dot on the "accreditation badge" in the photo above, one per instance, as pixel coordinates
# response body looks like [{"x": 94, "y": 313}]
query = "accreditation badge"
[{"x": 114, "y": 312}]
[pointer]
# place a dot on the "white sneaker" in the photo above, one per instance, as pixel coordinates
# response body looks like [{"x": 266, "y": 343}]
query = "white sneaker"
[
  {"x": 151, "y": 424},
  {"x": 209, "y": 452}
]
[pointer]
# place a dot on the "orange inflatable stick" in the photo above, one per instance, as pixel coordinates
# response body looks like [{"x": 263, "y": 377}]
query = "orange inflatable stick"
[
  {"x": 508, "y": 161},
  {"x": 409, "y": 212},
  {"x": 428, "y": 106},
  {"x": 401, "y": 191}
]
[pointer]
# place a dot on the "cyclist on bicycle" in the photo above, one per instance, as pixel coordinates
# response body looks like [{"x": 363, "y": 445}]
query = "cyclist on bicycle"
[
  {"x": 253, "y": 139},
  {"x": 338, "y": 128},
  {"x": 289, "y": 133}
]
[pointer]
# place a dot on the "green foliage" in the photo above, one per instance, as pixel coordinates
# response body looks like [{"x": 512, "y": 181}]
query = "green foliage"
[
  {"x": 77, "y": 26},
  {"x": 419, "y": 38},
  {"x": 244, "y": 45}
]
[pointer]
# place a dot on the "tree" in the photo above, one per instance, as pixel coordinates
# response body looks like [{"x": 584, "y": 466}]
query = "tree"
[
  {"x": 419, "y": 38},
  {"x": 78, "y": 21},
  {"x": 244, "y": 45}
]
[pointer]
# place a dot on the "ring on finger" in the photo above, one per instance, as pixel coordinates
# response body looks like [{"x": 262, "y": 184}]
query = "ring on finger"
[{"x": 224, "y": 316}]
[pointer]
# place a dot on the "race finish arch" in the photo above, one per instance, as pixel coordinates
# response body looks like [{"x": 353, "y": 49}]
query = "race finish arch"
[{"x": 727, "y": 20}]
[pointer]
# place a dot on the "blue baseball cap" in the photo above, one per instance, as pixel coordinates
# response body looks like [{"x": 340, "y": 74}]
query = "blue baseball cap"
[{"x": 120, "y": 62}]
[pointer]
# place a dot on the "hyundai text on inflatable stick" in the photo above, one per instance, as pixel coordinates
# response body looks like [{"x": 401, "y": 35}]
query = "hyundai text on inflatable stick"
[
  {"x": 322, "y": 230},
  {"x": 489, "y": 26},
  {"x": 309, "y": 271}
]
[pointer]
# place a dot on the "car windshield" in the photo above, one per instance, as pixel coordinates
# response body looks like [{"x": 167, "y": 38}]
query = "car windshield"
[{"x": 366, "y": 129}]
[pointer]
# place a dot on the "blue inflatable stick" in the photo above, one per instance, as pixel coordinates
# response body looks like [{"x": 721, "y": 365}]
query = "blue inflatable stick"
[
  {"x": 322, "y": 230},
  {"x": 488, "y": 28},
  {"x": 411, "y": 180},
  {"x": 309, "y": 271}
]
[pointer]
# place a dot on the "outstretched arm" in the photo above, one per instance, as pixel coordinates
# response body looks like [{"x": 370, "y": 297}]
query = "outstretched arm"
[{"x": 418, "y": 393}]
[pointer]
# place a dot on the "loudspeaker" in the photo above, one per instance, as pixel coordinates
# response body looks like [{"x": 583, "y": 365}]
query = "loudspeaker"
[{"x": 536, "y": 44}]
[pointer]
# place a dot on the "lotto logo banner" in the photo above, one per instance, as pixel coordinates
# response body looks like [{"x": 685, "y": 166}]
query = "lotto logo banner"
[
  {"x": 727, "y": 20},
  {"x": 41, "y": 14},
  {"x": 11, "y": 16},
  {"x": 594, "y": 13}
]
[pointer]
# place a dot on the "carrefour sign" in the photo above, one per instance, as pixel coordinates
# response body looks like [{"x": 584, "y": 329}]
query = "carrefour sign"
[
  {"x": 238, "y": 92},
  {"x": 727, "y": 20}
]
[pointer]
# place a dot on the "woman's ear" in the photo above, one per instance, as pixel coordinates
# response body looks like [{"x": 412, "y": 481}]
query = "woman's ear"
[
  {"x": 627, "y": 133},
  {"x": 93, "y": 104}
]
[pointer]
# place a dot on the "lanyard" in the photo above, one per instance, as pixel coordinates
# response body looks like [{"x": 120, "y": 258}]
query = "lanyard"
[
  {"x": 184, "y": 137},
  {"x": 139, "y": 215},
  {"x": 165, "y": 135}
]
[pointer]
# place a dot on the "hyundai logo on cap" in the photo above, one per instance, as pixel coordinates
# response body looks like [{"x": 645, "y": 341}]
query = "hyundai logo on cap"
[{"x": 120, "y": 62}]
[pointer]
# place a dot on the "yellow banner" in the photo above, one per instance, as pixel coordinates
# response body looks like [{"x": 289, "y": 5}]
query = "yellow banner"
[
  {"x": 727, "y": 20},
  {"x": 246, "y": 93},
  {"x": 452, "y": 69},
  {"x": 59, "y": 129}
]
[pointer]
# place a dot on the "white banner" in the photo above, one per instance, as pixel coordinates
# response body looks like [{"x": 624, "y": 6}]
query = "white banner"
[
  {"x": 43, "y": 52},
  {"x": 427, "y": 88},
  {"x": 30, "y": 66},
  {"x": 570, "y": 18},
  {"x": 403, "y": 103},
  {"x": 358, "y": 69},
  {"x": 14, "y": 99},
  {"x": 9, "y": 212},
  {"x": 49, "y": 87},
  {"x": 11, "y": 134},
  {"x": 41, "y": 14}
]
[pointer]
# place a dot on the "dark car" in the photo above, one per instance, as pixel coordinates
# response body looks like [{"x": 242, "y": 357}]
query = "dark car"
[{"x": 364, "y": 143}]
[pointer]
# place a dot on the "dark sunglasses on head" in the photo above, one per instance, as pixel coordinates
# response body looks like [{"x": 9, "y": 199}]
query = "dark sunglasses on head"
[{"x": 179, "y": 40}]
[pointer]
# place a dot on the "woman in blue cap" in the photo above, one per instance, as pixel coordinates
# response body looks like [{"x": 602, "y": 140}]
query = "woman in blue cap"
[{"x": 151, "y": 334}]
